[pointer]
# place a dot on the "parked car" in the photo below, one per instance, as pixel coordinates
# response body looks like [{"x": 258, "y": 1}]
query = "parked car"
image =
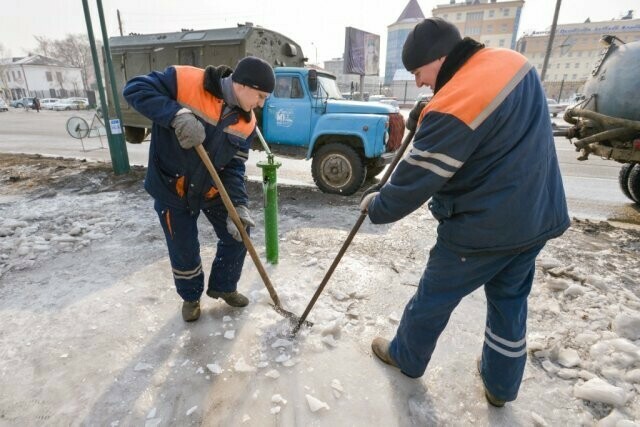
[
  {"x": 556, "y": 107},
  {"x": 47, "y": 103},
  {"x": 3, "y": 105},
  {"x": 22, "y": 102},
  {"x": 70, "y": 104}
]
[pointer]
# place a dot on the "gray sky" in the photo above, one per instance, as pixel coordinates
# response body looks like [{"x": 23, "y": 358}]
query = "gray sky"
[{"x": 317, "y": 26}]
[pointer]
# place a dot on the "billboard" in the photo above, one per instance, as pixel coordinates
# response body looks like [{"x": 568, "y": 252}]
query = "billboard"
[{"x": 361, "y": 52}]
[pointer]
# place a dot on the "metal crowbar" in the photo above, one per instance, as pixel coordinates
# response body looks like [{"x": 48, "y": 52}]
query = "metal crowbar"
[
  {"x": 231, "y": 210},
  {"x": 352, "y": 234}
]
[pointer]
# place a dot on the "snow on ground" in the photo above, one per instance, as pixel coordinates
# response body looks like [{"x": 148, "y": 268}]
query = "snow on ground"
[{"x": 91, "y": 329}]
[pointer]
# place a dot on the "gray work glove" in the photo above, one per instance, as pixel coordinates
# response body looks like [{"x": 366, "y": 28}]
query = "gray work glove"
[
  {"x": 366, "y": 201},
  {"x": 245, "y": 217},
  {"x": 189, "y": 130},
  {"x": 414, "y": 116}
]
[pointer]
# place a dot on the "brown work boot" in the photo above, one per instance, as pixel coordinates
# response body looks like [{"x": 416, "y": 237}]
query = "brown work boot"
[
  {"x": 191, "y": 310},
  {"x": 234, "y": 299},
  {"x": 494, "y": 401},
  {"x": 380, "y": 347}
]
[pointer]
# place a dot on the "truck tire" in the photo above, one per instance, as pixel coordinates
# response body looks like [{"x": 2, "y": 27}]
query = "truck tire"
[
  {"x": 134, "y": 135},
  {"x": 623, "y": 179},
  {"x": 634, "y": 183},
  {"x": 338, "y": 169}
]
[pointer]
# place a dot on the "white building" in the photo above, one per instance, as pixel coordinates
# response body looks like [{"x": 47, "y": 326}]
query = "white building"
[
  {"x": 347, "y": 81},
  {"x": 39, "y": 76}
]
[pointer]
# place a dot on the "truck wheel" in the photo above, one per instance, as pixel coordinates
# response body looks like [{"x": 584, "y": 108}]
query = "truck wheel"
[
  {"x": 338, "y": 169},
  {"x": 634, "y": 184},
  {"x": 623, "y": 179},
  {"x": 134, "y": 135}
]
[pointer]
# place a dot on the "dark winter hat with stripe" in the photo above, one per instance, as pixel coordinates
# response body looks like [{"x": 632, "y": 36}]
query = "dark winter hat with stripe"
[
  {"x": 429, "y": 40},
  {"x": 255, "y": 73}
]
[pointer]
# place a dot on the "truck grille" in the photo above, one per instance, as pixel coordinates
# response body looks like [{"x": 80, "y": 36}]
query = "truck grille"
[{"x": 396, "y": 131}]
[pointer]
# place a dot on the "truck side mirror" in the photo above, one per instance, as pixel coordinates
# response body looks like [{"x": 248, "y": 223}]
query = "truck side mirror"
[{"x": 312, "y": 80}]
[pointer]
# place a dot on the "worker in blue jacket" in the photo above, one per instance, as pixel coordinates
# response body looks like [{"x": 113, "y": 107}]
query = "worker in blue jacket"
[
  {"x": 484, "y": 158},
  {"x": 214, "y": 107}
]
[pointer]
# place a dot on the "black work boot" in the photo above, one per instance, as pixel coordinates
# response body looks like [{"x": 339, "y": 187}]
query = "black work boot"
[
  {"x": 234, "y": 299},
  {"x": 494, "y": 401},
  {"x": 191, "y": 310}
]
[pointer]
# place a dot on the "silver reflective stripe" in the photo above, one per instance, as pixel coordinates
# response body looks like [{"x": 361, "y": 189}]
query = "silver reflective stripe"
[
  {"x": 447, "y": 160},
  {"x": 506, "y": 352},
  {"x": 495, "y": 102},
  {"x": 186, "y": 275},
  {"x": 512, "y": 344},
  {"x": 429, "y": 166}
]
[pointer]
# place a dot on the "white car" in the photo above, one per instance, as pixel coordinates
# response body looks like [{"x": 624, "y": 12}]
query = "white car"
[
  {"x": 70, "y": 104},
  {"x": 555, "y": 107},
  {"x": 47, "y": 103}
]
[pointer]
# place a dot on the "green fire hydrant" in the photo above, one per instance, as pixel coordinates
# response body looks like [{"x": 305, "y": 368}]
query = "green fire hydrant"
[{"x": 270, "y": 190}]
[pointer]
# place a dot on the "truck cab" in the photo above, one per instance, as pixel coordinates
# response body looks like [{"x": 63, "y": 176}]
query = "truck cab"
[{"x": 347, "y": 141}]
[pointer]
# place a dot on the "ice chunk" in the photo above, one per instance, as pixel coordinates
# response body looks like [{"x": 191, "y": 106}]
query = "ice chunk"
[
  {"x": 310, "y": 262},
  {"x": 273, "y": 374},
  {"x": 612, "y": 420},
  {"x": 152, "y": 413},
  {"x": 214, "y": 368},
  {"x": 142, "y": 367},
  {"x": 245, "y": 418},
  {"x": 627, "y": 326},
  {"x": 242, "y": 366},
  {"x": 191, "y": 410},
  {"x": 230, "y": 334},
  {"x": 556, "y": 284},
  {"x": 633, "y": 376},
  {"x": 316, "y": 404},
  {"x": 281, "y": 343},
  {"x": 568, "y": 357},
  {"x": 394, "y": 318},
  {"x": 598, "y": 390},
  {"x": 275, "y": 410},
  {"x": 574, "y": 291},
  {"x": 282, "y": 358},
  {"x": 226, "y": 318},
  {"x": 336, "y": 388},
  {"x": 276, "y": 398},
  {"x": 538, "y": 421},
  {"x": 597, "y": 282},
  {"x": 330, "y": 341},
  {"x": 548, "y": 263},
  {"x": 567, "y": 374}
]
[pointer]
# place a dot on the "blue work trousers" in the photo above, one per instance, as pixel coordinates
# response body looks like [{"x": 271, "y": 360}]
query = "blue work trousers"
[
  {"x": 448, "y": 277},
  {"x": 181, "y": 234}
]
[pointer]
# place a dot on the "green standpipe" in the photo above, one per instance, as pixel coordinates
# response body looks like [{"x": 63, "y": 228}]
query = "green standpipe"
[{"x": 270, "y": 190}]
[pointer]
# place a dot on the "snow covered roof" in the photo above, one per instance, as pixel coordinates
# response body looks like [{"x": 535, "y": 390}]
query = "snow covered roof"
[{"x": 33, "y": 60}]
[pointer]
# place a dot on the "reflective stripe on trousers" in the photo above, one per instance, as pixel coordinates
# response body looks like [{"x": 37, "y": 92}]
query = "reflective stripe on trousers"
[{"x": 448, "y": 278}]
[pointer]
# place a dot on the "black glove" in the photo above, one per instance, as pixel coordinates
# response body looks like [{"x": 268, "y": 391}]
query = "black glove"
[
  {"x": 414, "y": 116},
  {"x": 189, "y": 130}
]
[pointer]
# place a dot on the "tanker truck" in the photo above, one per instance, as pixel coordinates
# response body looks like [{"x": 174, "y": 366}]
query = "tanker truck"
[{"x": 606, "y": 123}]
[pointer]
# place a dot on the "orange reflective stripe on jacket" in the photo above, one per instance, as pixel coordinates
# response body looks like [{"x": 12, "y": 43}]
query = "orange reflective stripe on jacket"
[
  {"x": 479, "y": 86},
  {"x": 192, "y": 95},
  {"x": 213, "y": 192}
]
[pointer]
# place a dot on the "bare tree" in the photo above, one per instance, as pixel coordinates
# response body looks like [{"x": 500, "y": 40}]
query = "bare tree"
[
  {"x": 73, "y": 50},
  {"x": 4, "y": 84}
]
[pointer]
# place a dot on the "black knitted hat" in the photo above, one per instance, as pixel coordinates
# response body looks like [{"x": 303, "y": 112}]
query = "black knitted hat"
[
  {"x": 429, "y": 40},
  {"x": 255, "y": 73}
]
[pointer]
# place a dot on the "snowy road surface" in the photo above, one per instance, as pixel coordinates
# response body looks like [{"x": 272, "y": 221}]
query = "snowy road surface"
[{"x": 92, "y": 335}]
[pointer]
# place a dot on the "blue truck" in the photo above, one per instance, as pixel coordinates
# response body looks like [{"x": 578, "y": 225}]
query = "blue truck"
[
  {"x": 306, "y": 116},
  {"x": 347, "y": 141}
]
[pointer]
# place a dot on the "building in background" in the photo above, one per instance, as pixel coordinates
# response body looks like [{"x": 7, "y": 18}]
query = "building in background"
[
  {"x": 490, "y": 22},
  {"x": 576, "y": 48},
  {"x": 39, "y": 76},
  {"x": 396, "y": 35},
  {"x": 345, "y": 82}
]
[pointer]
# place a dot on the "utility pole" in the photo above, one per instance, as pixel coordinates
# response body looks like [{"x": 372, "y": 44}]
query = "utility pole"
[
  {"x": 119, "y": 21},
  {"x": 117, "y": 146},
  {"x": 552, "y": 35}
]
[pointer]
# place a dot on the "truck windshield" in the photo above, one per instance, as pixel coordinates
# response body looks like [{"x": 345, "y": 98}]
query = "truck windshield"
[{"x": 329, "y": 87}]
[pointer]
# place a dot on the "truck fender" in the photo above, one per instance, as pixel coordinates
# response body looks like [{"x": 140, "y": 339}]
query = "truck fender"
[{"x": 369, "y": 129}]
